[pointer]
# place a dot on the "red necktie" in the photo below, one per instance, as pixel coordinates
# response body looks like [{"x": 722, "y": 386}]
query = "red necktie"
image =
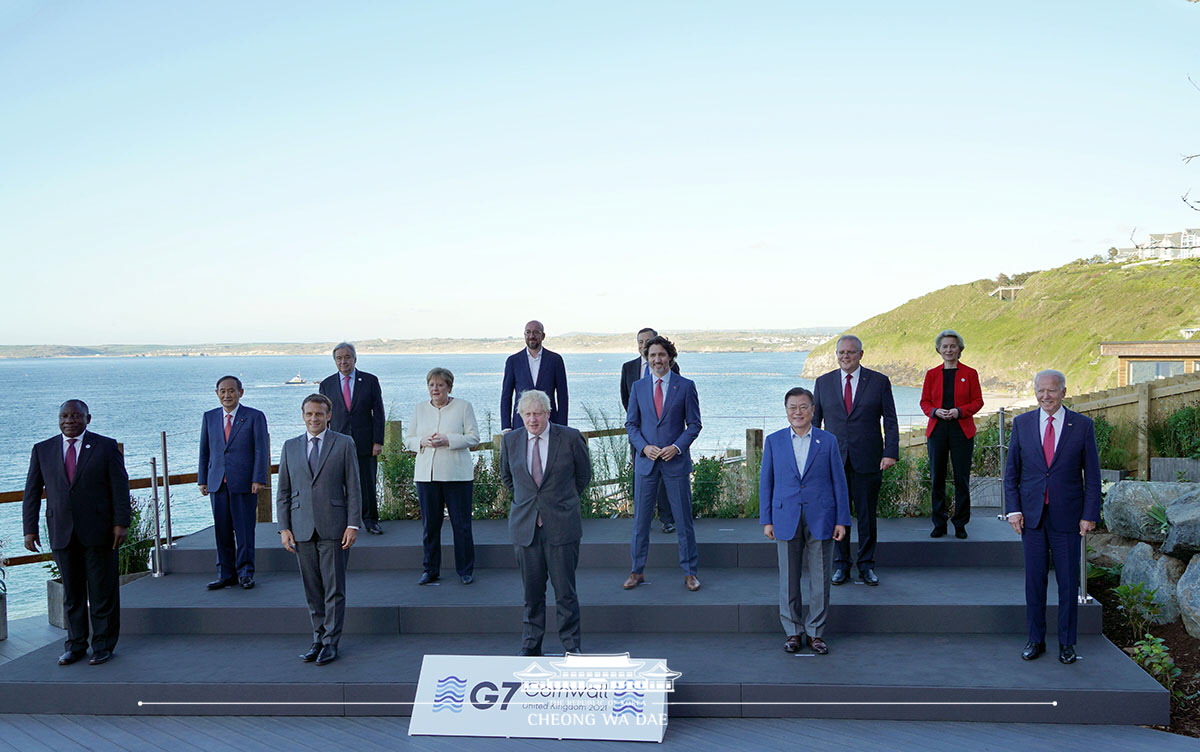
[
  {"x": 1048, "y": 448},
  {"x": 658, "y": 397},
  {"x": 228, "y": 426},
  {"x": 70, "y": 460},
  {"x": 346, "y": 391},
  {"x": 848, "y": 396}
]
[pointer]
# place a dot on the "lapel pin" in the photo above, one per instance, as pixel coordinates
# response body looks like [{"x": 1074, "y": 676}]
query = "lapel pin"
[{"x": 87, "y": 446}]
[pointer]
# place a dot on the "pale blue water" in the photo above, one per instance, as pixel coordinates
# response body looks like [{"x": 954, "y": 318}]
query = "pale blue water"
[{"x": 133, "y": 399}]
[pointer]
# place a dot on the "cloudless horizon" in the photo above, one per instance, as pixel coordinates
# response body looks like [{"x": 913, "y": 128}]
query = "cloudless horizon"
[{"x": 312, "y": 171}]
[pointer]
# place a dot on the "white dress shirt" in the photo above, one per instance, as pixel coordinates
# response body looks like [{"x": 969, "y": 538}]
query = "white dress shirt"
[
  {"x": 543, "y": 448},
  {"x": 78, "y": 445},
  {"x": 535, "y": 363},
  {"x": 800, "y": 447}
]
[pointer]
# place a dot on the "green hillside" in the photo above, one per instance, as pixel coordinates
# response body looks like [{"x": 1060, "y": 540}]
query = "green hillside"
[{"x": 1057, "y": 321}]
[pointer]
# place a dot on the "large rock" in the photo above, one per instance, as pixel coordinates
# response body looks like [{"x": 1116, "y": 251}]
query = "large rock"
[
  {"x": 1109, "y": 549},
  {"x": 1126, "y": 505},
  {"x": 1156, "y": 572},
  {"x": 1183, "y": 537},
  {"x": 1187, "y": 592}
]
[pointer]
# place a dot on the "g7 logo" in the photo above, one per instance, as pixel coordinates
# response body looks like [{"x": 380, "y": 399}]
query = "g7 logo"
[{"x": 489, "y": 699}]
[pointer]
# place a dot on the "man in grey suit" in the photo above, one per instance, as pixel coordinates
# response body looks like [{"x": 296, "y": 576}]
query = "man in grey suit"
[
  {"x": 546, "y": 466},
  {"x": 320, "y": 511}
]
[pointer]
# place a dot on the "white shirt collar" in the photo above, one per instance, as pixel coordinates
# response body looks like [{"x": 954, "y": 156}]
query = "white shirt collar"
[
  {"x": 233, "y": 412},
  {"x": 308, "y": 437}
]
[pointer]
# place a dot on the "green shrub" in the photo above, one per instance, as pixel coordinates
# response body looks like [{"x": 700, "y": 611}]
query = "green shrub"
[
  {"x": 490, "y": 499},
  {"x": 134, "y": 554},
  {"x": 399, "y": 498},
  {"x": 1152, "y": 654},
  {"x": 1136, "y": 604},
  {"x": 905, "y": 488},
  {"x": 706, "y": 486},
  {"x": 1178, "y": 435},
  {"x": 1111, "y": 441}
]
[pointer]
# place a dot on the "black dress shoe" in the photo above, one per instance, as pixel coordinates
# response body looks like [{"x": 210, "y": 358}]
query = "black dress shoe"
[
  {"x": 67, "y": 658},
  {"x": 937, "y": 532},
  {"x": 867, "y": 577},
  {"x": 218, "y": 584},
  {"x": 373, "y": 527},
  {"x": 530, "y": 652},
  {"x": 467, "y": 579},
  {"x": 313, "y": 651},
  {"x": 1066, "y": 654},
  {"x": 247, "y": 583},
  {"x": 427, "y": 578},
  {"x": 104, "y": 656},
  {"x": 1033, "y": 650},
  {"x": 328, "y": 655},
  {"x": 960, "y": 533},
  {"x": 838, "y": 578},
  {"x": 668, "y": 527}
]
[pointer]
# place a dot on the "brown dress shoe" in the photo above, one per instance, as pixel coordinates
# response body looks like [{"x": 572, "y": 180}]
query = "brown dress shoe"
[
  {"x": 818, "y": 645},
  {"x": 692, "y": 582},
  {"x": 792, "y": 645},
  {"x": 633, "y": 580}
]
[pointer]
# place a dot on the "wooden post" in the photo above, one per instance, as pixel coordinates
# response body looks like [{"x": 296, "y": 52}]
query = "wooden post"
[
  {"x": 497, "y": 442},
  {"x": 393, "y": 433},
  {"x": 1143, "y": 430},
  {"x": 754, "y": 448},
  {"x": 265, "y": 506}
]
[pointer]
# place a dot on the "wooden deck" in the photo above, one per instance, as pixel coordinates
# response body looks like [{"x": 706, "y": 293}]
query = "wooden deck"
[{"x": 60, "y": 733}]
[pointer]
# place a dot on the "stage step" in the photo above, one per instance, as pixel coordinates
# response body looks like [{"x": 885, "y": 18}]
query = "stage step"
[
  {"x": 909, "y": 599},
  {"x": 724, "y": 544},
  {"x": 946, "y": 676}
]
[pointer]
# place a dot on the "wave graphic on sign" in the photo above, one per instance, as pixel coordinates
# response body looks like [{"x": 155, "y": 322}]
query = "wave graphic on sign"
[
  {"x": 449, "y": 694},
  {"x": 628, "y": 703}
]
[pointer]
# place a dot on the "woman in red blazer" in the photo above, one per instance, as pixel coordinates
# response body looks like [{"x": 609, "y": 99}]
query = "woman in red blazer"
[{"x": 951, "y": 397}]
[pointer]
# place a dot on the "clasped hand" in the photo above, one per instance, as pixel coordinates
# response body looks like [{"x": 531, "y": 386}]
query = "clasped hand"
[{"x": 665, "y": 454}]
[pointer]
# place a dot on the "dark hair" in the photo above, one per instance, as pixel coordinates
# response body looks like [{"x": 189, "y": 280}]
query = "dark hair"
[
  {"x": 79, "y": 402},
  {"x": 328, "y": 403},
  {"x": 666, "y": 344},
  {"x": 799, "y": 391},
  {"x": 235, "y": 379},
  {"x": 645, "y": 329}
]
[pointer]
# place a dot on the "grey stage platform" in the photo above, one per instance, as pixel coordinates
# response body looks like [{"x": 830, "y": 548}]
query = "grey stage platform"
[{"x": 939, "y": 639}]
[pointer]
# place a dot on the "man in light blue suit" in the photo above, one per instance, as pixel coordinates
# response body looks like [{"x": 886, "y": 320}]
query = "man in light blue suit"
[
  {"x": 804, "y": 506},
  {"x": 235, "y": 459},
  {"x": 663, "y": 421},
  {"x": 1051, "y": 499}
]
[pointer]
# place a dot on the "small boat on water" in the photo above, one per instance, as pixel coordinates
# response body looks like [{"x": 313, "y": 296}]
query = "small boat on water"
[{"x": 296, "y": 380}]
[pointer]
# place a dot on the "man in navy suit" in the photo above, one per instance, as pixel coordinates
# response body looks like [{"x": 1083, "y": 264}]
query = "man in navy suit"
[
  {"x": 631, "y": 372},
  {"x": 1052, "y": 498},
  {"x": 663, "y": 421},
  {"x": 850, "y": 403},
  {"x": 87, "y": 515},
  {"x": 535, "y": 367},
  {"x": 358, "y": 412},
  {"x": 235, "y": 461},
  {"x": 804, "y": 506}
]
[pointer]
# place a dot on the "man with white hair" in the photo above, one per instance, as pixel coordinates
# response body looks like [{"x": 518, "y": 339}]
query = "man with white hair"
[
  {"x": 545, "y": 466},
  {"x": 1052, "y": 498}
]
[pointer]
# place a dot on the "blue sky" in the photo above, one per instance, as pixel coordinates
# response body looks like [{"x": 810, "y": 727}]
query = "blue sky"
[{"x": 303, "y": 171}]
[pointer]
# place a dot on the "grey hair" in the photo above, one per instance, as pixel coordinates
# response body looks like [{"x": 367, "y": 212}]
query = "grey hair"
[
  {"x": 857, "y": 341},
  {"x": 962, "y": 345},
  {"x": 531, "y": 399},
  {"x": 1058, "y": 376},
  {"x": 443, "y": 374},
  {"x": 345, "y": 346}
]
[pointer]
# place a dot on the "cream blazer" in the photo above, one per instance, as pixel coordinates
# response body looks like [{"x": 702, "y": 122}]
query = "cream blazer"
[{"x": 457, "y": 422}]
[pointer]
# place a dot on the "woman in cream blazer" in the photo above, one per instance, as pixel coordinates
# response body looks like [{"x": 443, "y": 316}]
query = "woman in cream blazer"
[{"x": 441, "y": 432}]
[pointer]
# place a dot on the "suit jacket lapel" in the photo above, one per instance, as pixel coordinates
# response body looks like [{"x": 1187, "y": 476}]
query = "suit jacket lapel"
[
  {"x": 1064, "y": 430},
  {"x": 326, "y": 446},
  {"x": 54, "y": 459},
  {"x": 1035, "y": 436},
  {"x": 554, "y": 437},
  {"x": 863, "y": 378},
  {"x": 356, "y": 389},
  {"x": 237, "y": 425},
  {"x": 813, "y": 445},
  {"x": 521, "y": 446}
]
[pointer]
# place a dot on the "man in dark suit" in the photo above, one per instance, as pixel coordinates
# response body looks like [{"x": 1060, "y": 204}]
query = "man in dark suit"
[
  {"x": 850, "y": 403},
  {"x": 87, "y": 513},
  {"x": 545, "y": 467},
  {"x": 535, "y": 367},
  {"x": 235, "y": 462},
  {"x": 1052, "y": 499},
  {"x": 319, "y": 515},
  {"x": 663, "y": 420},
  {"x": 632, "y": 371},
  {"x": 358, "y": 412},
  {"x": 804, "y": 507}
]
